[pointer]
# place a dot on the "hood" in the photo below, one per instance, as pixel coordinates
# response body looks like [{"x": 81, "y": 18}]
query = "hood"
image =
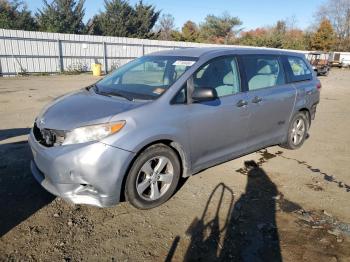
[{"x": 80, "y": 109}]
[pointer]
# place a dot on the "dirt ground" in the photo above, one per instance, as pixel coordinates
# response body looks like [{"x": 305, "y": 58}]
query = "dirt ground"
[{"x": 271, "y": 205}]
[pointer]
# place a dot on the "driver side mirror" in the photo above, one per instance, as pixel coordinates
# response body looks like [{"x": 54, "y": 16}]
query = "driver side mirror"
[{"x": 203, "y": 94}]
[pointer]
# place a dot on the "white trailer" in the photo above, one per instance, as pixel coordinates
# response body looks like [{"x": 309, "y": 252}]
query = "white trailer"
[{"x": 340, "y": 59}]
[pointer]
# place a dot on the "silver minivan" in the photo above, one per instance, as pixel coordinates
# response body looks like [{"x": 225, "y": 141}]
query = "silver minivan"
[{"x": 169, "y": 115}]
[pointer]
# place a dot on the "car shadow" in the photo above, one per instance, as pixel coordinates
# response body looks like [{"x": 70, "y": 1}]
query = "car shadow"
[
  {"x": 242, "y": 230},
  {"x": 9, "y": 133},
  {"x": 21, "y": 195}
]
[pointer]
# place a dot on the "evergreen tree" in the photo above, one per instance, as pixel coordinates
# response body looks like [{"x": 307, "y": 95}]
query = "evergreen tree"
[
  {"x": 15, "y": 15},
  {"x": 277, "y": 35},
  {"x": 62, "y": 16},
  {"x": 117, "y": 19},
  {"x": 219, "y": 29},
  {"x": 144, "y": 20},
  {"x": 324, "y": 38},
  {"x": 190, "y": 32},
  {"x": 93, "y": 26},
  {"x": 122, "y": 19}
]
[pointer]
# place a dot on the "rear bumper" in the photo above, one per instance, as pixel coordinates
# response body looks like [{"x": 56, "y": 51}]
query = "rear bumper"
[{"x": 90, "y": 173}]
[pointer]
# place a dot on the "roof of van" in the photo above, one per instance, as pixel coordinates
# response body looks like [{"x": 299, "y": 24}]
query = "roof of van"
[{"x": 200, "y": 51}]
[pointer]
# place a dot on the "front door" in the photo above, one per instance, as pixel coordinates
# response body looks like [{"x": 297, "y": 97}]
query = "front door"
[{"x": 218, "y": 128}]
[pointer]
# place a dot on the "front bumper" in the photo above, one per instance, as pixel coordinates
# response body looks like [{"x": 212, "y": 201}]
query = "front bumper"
[{"x": 90, "y": 173}]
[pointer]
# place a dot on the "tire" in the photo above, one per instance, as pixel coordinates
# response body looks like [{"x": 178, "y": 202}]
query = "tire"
[
  {"x": 296, "y": 135},
  {"x": 157, "y": 167},
  {"x": 326, "y": 73}
]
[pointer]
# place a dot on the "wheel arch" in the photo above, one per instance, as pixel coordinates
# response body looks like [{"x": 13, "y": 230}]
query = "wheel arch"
[
  {"x": 178, "y": 149},
  {"x": 306, "y": 111}
]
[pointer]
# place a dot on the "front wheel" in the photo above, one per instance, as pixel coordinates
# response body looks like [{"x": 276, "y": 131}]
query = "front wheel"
[
  {"x": 297, "y": 131},
  {"x": 153, "y": 177}
]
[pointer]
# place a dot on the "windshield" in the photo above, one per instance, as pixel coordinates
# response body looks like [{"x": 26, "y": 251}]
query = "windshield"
[{"x": 145, "y": 78}]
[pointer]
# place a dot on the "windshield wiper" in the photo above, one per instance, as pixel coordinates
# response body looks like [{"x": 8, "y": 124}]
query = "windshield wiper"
[
  {"x": 90, "y": 86},
  {"x": 113, "y": 93}
]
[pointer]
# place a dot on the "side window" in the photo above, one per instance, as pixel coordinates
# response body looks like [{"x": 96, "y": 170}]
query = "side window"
[
  {"x": 300, "y": 71},
  {"x": 220, "y": 74},
  {"x": 263, "y": 71}
]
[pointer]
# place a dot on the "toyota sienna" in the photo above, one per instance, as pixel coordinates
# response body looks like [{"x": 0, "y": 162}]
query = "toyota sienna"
[{"x": 169, "y": 115}]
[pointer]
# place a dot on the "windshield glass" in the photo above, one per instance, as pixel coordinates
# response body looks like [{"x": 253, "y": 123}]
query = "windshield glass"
[{"x": 145, "y": 78}]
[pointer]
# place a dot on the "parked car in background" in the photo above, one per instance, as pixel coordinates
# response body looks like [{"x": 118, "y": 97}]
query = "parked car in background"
[
  {"x": 168, "y": 115},
  {"x": 320, "y": 62}
]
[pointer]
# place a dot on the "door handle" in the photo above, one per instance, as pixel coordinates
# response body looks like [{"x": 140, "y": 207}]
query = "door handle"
[
  {"x": 309, "y": 92},
  {"x": 241, "y": 103},
  {"x": 256, "y": 100}
]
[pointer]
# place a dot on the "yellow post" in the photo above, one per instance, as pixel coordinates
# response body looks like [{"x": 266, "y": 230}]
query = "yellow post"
[{"x": 96, "y": 69}]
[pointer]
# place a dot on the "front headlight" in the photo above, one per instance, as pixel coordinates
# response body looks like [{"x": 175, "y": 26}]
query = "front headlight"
[{"x": 92, "y": 133}]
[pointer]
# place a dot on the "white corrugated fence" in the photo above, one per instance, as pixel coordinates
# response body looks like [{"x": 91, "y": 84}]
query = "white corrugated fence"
[{"x": 24, "y": 52}]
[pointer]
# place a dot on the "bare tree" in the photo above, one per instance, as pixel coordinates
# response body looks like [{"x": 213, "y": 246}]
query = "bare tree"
[
  {"x": 166, "y": 27},
  {"x": 291, "y": 22},
  {"x": 338, "y": 13}
]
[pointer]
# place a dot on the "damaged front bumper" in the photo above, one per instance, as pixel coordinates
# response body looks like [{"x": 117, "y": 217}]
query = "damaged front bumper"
[{"x": 89, "y": 173}]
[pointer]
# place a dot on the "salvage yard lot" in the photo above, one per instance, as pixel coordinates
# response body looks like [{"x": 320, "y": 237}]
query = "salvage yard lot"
[{"x": 268, "y": 205}]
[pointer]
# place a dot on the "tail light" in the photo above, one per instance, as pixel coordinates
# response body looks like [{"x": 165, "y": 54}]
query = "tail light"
[{"x": 319, "y": 86}]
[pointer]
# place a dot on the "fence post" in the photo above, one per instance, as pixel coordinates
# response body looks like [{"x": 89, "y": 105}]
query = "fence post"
[
  {"x": 143, "y": 49},
  {"x": 60, "y": 57},
  {"x": 105, "y": 57}
]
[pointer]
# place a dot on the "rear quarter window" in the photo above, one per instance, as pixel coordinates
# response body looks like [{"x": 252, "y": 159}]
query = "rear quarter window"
[{"x": 299, "y": 71}]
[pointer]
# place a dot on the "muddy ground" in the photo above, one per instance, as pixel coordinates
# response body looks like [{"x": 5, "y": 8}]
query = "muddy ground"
[{"x": 267, "y": 206}]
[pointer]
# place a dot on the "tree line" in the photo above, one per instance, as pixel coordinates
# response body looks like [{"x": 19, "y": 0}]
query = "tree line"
[{"x": 330, "y": 30}]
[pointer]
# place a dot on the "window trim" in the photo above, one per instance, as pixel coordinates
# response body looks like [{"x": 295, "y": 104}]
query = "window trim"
[{"x": 280, "y": 62}]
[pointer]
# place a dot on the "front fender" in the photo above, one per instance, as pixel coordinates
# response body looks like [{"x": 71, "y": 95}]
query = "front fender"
[
  {"x": 173, "y": 142},
  {"x": 135, "y": 140}
]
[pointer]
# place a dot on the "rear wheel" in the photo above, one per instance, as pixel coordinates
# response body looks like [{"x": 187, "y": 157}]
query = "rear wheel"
[
  {"x": 297, "y": 131},
  {"x": 153, "y": 177}
]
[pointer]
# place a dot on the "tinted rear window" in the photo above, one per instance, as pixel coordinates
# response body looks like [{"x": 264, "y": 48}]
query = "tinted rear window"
[{"x": 299, "y": 69}]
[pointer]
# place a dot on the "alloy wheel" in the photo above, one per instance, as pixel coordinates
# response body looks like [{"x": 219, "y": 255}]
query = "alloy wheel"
[
  {"x": 154, "y": 178},
  {"x": 298, "y": 131}
]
